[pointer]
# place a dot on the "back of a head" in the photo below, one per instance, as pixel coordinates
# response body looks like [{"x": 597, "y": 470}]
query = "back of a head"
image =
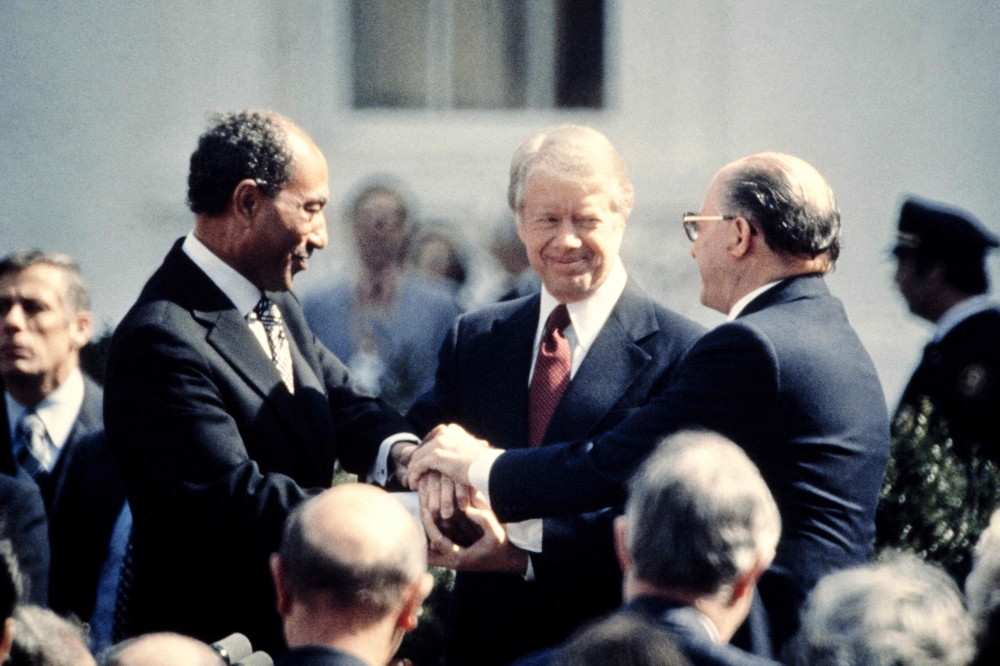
[
  {"x": 622, "y": 639},
  {"x": 900, "y": 612},
  {"x": 699, "y": 514},
  {"x": 576, "y": 151},
  {"x": 42, "y": 638},
  {"x": 161, "y": 649},
  {"x": 789, "y": 200},
  {"x": 982, "y": 591},
  {"x": 354, "y": 550}
]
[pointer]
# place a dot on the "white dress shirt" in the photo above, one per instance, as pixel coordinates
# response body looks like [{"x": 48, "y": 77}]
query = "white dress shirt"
[
  {"x": 244, "y": 296},
  {"x": 58, "y": 412},
  {"x": 959, "y": 313},
  {"x": 587, "y": 318}
]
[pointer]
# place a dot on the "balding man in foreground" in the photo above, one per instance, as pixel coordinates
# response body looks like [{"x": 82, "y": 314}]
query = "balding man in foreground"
[
  {"x": 350, "y": 578},
  {"x": 162, "y": 649},
  {"x": 786, "y": 378}
]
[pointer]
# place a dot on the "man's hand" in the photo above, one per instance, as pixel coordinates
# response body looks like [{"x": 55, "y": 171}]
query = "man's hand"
[
  {"x": 448, "y": 449},
  {"x": 401, "y": 453},
  {"x": 493, "y": 551}
]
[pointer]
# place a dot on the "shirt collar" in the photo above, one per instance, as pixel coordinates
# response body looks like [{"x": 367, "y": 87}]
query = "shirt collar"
[
  {"x": 959, "y": 313},
  {"x": 589, "y": 315},
  {"x": 243, "y": 293},
  {"x": 741, "y": 304},
  {"x": 58, "y": 411}
]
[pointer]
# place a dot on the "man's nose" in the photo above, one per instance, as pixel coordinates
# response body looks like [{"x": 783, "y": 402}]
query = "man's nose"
[
  {"x": 318, "y": 238},
  {"x": 566, "y": 234},
  {"x": 13, "y": 318}
]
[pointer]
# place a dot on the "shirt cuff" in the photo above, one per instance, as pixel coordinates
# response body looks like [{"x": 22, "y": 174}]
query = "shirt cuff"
[
  {"x": 479, "y": 471},
  {"x": 380, "y": 470},
  {"x": 526, "y": 535},
  {"x": 529, "y": 574}
]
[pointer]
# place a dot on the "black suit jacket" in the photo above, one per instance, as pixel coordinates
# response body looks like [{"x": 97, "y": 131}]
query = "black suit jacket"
[
  {"x": 83, "y": 496},
  {"x": 317, "y": 655},
  {"x": 215, "y": 450},
  {"x": 791, "y": 383},
  {"x": 685, "y": 627},
  {"x": 22, "y": 520},
  {"x": 960, "y": 375},
  {"x": 482, "y": 384}
]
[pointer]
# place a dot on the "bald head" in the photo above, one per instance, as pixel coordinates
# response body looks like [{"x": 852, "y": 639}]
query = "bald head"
[
  {"x": 787, "y": 198},
  {"x": 163, "y": 649},
  {"x": 354, "y": 548}
]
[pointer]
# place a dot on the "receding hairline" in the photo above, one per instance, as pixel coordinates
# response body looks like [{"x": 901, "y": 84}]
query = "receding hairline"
[
  {"x": 801, "y": 177},
  {"x": 73, "y": 292}
]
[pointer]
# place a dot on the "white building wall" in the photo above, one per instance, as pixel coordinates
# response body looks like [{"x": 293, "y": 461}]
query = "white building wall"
[{"x": 101, "y": 103}]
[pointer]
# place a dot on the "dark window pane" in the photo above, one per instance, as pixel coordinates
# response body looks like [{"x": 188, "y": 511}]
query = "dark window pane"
[
  {"x": 390, "y": 53},
  {"x": 488, "y": 58},
  {"x": 580, "y": 54}
]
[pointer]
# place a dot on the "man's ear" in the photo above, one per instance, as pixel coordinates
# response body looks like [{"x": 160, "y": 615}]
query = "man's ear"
[
  {"x": 410, "y": 613},
  {"x": 81, "y": 328},
  {"x": 6, "y": 639},
  {"x": 742, "y": 238},
  {"x": 621, "y": 546},
  {"x": 246, "y": 199},
  {"x": 281, "y": 591},
  {"x": 745, "y": 584}
]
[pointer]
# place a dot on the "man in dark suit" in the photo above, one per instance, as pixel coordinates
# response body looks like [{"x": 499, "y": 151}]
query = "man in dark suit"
[
  {"x": 220, "y": 405},
  {"x": 787, "y": 379},
  {"x": 942, "y": 275},
  {"x": 350, "y": 577},
  {"x": 619, "y": 348},
  {"x": 54, "y": 431},
  {"x": 699, "y": 529}
]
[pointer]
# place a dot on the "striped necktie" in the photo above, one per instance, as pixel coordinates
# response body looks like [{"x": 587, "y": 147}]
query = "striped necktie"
[{"x": 281, "y": 355}]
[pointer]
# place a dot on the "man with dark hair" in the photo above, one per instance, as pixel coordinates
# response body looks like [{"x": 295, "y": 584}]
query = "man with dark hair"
[
  {"x": 350, "y": 577},
  {"x": 223, "y": 409},
  {"x": 942, "y": 275},
  {"x": 55, "y": 429},
  {"x": 786, "y": 378},
  {"x": 385, "y": 323},
  {"x": 700, "y": 527}
]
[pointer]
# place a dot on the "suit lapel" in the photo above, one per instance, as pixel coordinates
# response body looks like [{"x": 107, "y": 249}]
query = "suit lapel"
[
  {"x": 612, "y": 364},
  {"x": 512, "y": 340}
]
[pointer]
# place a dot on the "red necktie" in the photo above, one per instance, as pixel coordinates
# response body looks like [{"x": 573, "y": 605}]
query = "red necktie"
[{"x": 551, "y": 376}]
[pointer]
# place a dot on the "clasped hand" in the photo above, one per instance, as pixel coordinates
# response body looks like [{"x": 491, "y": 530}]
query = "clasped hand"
[{"x": 462, "y": 531}]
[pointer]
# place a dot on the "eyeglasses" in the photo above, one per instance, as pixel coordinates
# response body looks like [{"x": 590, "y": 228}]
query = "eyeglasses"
[{"x": 691, "y": 220}]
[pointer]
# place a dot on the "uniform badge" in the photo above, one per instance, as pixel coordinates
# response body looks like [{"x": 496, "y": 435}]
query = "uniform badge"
[{"x": 972, "y": 380}]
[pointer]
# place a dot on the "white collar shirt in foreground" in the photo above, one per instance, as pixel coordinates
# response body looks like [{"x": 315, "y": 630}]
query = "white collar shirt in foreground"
[
  {"x": 244, "y": 296},
  {"x": 58, "y": 412},
  {"x": 741, "y": 304},
  {"x": 959, "y": 313}
]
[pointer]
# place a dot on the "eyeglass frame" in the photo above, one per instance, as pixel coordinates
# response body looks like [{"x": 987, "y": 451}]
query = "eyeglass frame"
[{"x": 690, "y": 223}]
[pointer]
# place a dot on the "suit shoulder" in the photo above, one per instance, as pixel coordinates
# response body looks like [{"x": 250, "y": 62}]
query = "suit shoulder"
[{"x": 484, "y": 317}]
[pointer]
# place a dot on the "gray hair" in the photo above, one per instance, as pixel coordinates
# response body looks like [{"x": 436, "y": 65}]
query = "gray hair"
[
  {"x": 369, "y": 590},
  {"x": 982, "y": 587},
  {"x": 75, "y": 293},
  {"x": 763, "y": 189},
  {"x": 42, "y": 638},
  {"x": 574, "y": 150},
  {"x": 899, "y": 612},
  {"x": 699, "y": 514}
]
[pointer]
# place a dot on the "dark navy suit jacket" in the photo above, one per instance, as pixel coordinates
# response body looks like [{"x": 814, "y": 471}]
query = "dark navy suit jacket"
[
  {"x": 791, "y": 383},
  {"x": 215, "y": 450},
  {"x": 22, "y": 520},
  {"x": 318, "y": 655},
  {"x": 685, "y": 627},
  {"x": 83, "y": 496},
  {"x": 482, "y": 384}
]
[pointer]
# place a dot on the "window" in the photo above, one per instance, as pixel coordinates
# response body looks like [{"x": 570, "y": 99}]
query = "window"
[{"x": 478, "y": 54}]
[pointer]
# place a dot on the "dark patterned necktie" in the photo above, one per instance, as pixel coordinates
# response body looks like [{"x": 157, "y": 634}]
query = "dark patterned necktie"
[
  {"x": 551, "y": 376},
  {"x": 270, "y": 317},
  {"x": 35, "y": 454}
]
